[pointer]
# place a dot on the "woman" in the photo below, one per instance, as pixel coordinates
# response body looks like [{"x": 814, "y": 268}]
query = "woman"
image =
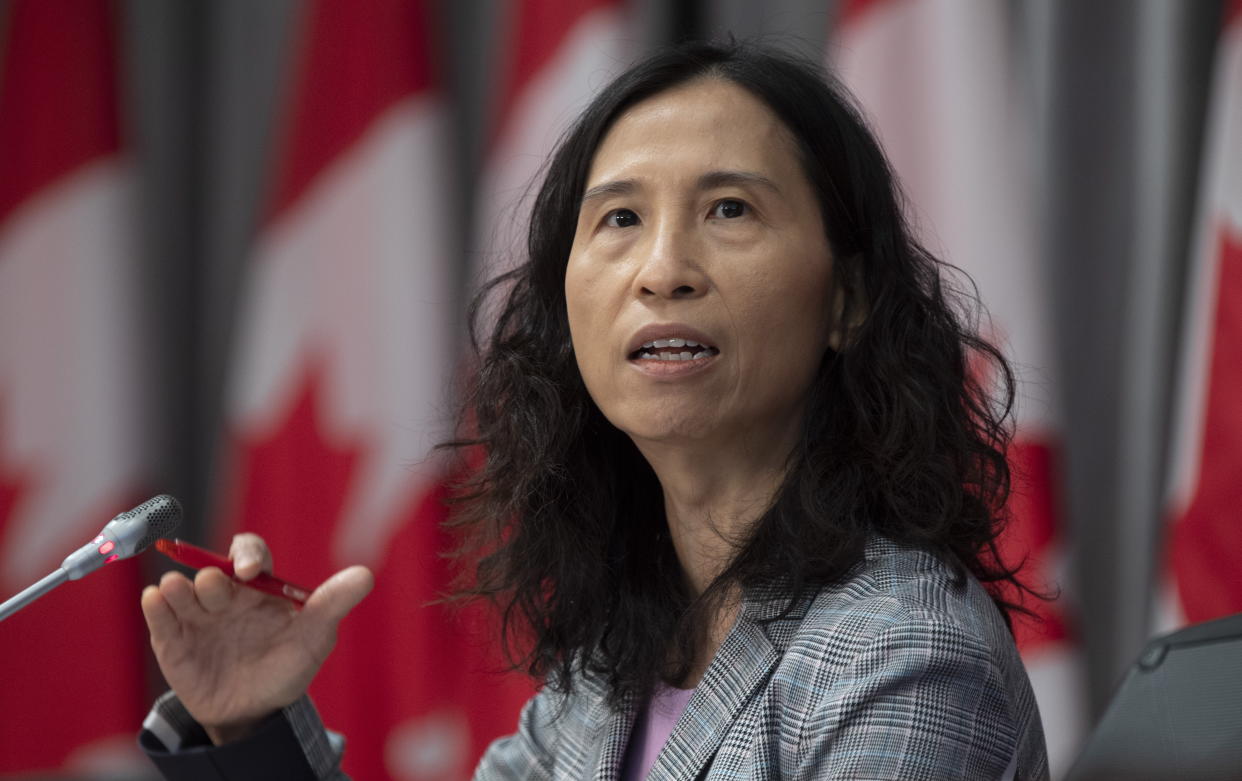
[{"x": 741, "y": 480}]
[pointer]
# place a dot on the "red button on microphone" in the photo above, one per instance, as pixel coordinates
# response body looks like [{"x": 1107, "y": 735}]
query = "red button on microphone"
[{"x": 106, "y": 548}]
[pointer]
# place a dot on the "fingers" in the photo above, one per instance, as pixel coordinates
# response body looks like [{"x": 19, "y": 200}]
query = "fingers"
[
  {"x": 161, "y": 620},
  {"x": 338, "y": 595},
  {"x": 214, "y": 589},
  {"x": 178, "y": 593},
  {"x": 250, "y": 555},
  {"x": 211, "y": 592}
]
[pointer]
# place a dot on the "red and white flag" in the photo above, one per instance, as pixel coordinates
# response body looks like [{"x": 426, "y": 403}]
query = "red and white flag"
[
  {"x": 558, "y": 55},
  {"x": 1205, "y": 533},
  {"x": 72, "y": 384},
  {"x": 936, "y": 79},
  {"x": 339, "y": 387}
]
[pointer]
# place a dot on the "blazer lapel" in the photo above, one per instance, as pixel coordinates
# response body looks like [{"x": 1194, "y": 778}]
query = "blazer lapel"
[
  {"x": 740, "y": 667},
  {"x": 611, "y": 737}
]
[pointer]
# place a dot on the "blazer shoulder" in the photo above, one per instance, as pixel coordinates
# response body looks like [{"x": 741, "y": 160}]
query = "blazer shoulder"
[
  {"x": 899, "y": 588},
  {"x": 906, "y": 633}
]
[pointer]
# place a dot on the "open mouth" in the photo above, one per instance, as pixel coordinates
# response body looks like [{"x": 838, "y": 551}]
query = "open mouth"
[{"x": 674, "y": 349}]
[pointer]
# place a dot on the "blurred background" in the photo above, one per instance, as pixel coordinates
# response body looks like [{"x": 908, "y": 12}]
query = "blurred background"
[{"x": 237, "y": 239}]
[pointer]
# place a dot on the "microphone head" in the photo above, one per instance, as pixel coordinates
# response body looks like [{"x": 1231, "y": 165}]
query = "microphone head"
[
  {"x": 127, "y": 534},
  {"x": 136, "y": 529}
]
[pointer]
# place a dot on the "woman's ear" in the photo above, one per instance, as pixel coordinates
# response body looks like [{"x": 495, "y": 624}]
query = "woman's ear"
[{"x": 849, "y": 303}]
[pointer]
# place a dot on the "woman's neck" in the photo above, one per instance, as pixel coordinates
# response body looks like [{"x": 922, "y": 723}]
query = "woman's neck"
[{"x": 712, "y": 497}]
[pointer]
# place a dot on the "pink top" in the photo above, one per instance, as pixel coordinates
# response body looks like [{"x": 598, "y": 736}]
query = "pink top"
[{"x": 651, "y": 730}]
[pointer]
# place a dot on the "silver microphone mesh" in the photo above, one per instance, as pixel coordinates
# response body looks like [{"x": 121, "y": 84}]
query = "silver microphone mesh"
[{"x": 163, "y": 514}]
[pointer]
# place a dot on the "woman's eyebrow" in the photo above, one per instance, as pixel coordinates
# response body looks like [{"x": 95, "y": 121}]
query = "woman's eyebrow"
[
  {"x": 708, "y": 181},
  {"x": 714, "y": 179},
  {"x": 618, "y": 187}
]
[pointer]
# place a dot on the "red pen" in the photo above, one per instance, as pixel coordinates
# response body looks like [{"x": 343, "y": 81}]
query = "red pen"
[{"x": 183, "y": 552}]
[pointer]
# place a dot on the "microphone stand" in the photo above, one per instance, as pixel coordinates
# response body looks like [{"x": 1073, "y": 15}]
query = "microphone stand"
[{"x": 32, "y": 593}]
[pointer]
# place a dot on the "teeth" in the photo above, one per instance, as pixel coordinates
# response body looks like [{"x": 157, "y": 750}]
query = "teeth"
[
  {"x": 648, "y": 351},
  {"x": 684, "y": 355},
  {"x": 673, "y": 342}
]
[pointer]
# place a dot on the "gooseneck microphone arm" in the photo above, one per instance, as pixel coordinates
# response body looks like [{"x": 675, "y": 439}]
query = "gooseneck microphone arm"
[
  {"x": 31, "y": 593},
  {"x": 126, "y": 535}
]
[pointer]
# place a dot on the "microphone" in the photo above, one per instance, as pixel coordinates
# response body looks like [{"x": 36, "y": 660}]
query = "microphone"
[{"x": 126, "y": 535}]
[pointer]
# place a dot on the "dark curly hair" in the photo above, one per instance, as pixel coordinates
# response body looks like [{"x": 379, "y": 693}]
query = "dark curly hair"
[{"x": 905, "y": 433}]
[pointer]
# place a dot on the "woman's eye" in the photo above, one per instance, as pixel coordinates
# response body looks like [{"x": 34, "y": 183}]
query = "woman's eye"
[
  {"x": 729, "y": 209},
  {"x": 621, "y": 218}
]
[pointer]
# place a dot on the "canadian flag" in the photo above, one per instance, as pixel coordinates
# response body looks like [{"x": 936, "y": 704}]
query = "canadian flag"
[
  {"x": 339, "y": 389},
  {"x": 936, "y": 79},
  {"x": 1205, "y": 534},
  {"x": 559, "y": 54},
  {"x": 72, "y": 385}
]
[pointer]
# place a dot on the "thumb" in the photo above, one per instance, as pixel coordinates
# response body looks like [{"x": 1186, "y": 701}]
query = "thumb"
[{"x": 338, "y": 595}]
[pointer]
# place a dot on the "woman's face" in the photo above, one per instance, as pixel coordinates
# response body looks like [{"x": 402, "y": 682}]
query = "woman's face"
[{"x": 700, "y": 275}]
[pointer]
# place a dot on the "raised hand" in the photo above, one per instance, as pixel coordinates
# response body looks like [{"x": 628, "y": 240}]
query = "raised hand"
[{"x": 235, "y": 655}]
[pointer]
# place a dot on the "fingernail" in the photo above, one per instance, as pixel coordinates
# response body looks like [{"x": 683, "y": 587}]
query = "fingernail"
[{"x": 245, "y": 561}]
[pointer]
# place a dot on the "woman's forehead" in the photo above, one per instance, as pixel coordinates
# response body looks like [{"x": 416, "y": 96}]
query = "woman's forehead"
[{"x": 707, "y": 124}]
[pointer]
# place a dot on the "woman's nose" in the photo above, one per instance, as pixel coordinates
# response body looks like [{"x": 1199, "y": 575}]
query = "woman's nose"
[{"x": 670, "y": 264}]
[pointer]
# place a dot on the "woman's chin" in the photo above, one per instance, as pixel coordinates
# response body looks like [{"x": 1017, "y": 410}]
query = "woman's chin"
[{"x": 663, "y": 429}]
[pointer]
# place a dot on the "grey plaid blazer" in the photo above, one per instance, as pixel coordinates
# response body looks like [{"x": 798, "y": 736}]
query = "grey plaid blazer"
[{"x": 899, "y": 673}]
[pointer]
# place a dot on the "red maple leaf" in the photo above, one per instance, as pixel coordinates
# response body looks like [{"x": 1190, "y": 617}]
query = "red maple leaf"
[
  {"x": 1030, "y": 539},
  {"x": 290, "y": 481},
  {"x": 77, "y": 638},
  {"x": 398, "y": 660},
  {"x": 1207, "y": 540}
]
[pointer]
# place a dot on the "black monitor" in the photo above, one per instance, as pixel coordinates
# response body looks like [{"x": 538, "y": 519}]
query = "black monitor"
[{"x": 1177, "y": 713}]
